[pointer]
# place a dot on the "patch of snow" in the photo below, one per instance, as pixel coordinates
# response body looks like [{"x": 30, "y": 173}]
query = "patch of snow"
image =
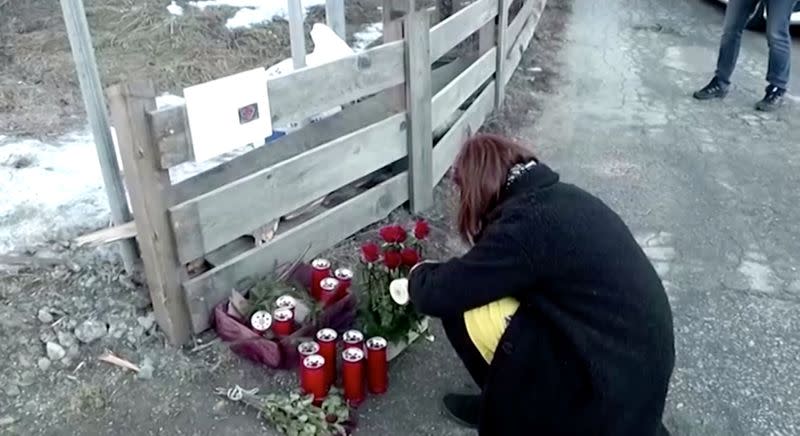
[
  {"x": 368, "y": 35},
  {"x": 167, "y": 99},
  {"x": 252, "y": 12},
  {"x": 175, "y": 9},
  {"x": 59, "y": 190}
]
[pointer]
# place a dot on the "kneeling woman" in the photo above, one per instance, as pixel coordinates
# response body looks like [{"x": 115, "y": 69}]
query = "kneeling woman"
[{"x": 555, "y": 310}]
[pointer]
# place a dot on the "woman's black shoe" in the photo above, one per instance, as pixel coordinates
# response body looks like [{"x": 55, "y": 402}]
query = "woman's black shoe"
[
  {"x": 463, "y": 409},
  {"x": 714, "y": 89}
]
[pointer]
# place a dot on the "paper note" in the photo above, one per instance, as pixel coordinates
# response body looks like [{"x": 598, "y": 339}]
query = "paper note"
[{"x": 228, "y": 113}]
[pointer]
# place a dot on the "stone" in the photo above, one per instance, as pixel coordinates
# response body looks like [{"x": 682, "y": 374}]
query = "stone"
[
  {"x": 66, "y": 339},
  {"x": 55, "y": 351},
  {"x": 117, "y": 327},
  {"x": 12, "y": 390},
  {"x": 794, "y": 287},
  {"x": 44, "y": 363},
  {"x": 26, "y": 378},
  {"x": 7, "y": 420},
  {"x": 147, "y": 321},
  {"x": 145, "y": 369},
  {"x": 90, "y": 331},
  {"x": 45, "y": 317}
]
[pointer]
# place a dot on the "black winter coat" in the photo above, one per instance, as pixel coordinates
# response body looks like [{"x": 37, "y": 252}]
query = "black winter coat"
[{"x": 590, "y": 351}]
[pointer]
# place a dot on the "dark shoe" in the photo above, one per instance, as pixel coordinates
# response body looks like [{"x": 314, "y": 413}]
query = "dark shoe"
[
  {"x": 714, "y": 89},
  {"x": 773, "y": 99},
  {"x": 463, "y": 409}
]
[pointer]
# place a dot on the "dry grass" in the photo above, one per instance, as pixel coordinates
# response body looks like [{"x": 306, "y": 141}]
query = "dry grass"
[{"x": 133, "y": 39}]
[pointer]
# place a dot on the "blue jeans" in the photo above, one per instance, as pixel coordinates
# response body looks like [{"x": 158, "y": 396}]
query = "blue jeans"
[{"x": 780, "y": 44}]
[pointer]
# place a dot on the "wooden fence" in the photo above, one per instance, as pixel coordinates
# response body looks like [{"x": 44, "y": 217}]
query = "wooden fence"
[{"x": 393, "y": 102}]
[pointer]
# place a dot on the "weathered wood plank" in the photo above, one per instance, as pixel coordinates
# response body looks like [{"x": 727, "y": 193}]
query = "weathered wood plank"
[
  {"x": 80, "y": 41},
  {"x": 520, "y": 20},
  {"x": 457, "y": 27},
  {"x": 448, "y": 147},
  {"x": 502, "y": 49},
  {"x": 393, "y": 32},
  {"x": 523, "y": 41},
  {"x": 312, "y": 237},
  {"x": 170, "y": 129},
  {"x": 486, "y": 37},
  {"x": 148, "y": 185},
  {"x": 297, "y": 33},
  {"x": 447, "y": 101},
  {"x": 418, "y": 104},
  {"x": 310, "y": 91},
  {"x": 334, "y": 17},
  {"x": 311, "y": 136},
  {"x": 209, "y": 221}
]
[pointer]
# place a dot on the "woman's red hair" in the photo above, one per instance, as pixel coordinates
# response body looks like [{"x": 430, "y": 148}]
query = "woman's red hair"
[{"x": 481, "y": 170}]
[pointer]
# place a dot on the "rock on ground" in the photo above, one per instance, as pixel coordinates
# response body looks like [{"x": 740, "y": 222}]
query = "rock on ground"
[
  {"x": 90, "y": 331},
  {"x": 55, "y": 351}
]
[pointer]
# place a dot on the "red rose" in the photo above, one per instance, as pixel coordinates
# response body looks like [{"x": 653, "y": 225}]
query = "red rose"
[
  {"x": 422, "y": 229},
  {"x": 410, "y": 256},
  {"x": 370, "y": 252},
  {"x": 392, "y": 259},
  {"x": 393, "y": 234},
  {"x": 401, "y": 234}
]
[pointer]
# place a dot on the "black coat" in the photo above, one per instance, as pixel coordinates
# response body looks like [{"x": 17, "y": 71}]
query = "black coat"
[{"x": 590, "y": 351}]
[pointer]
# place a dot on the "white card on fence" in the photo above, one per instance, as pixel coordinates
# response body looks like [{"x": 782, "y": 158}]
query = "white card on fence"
[{"x": 228, "y": 113}]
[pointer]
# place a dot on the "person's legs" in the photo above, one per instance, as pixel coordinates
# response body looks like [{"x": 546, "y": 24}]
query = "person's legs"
[
  {"x": 476, "y": 365},
  {"x": 463, "y": 408},
  {"x": 736, "y": 15},
  {"x": 780, "y": 43},
  {"x": 780, "y": 48}
]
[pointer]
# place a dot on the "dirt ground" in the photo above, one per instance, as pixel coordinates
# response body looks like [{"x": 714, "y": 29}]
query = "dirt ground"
[
  {"x": 56, "y": 320},
  {"x": 39, "y": 93}
]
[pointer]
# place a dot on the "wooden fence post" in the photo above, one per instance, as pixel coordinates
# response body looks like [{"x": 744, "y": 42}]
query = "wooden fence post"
[
  {"x": 89, "y": 78},
  {"x": 334, "y": 17},
  {"x": 393, "y": 31},
  {"x": 502, "y": 51},
  {"x": 297, "y": 33},
  {"x": 149, "y": 187},
  {"x": 418, "y": 108}
]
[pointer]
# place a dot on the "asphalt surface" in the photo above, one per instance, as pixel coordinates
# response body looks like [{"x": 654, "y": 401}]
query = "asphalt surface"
[{"x": 711, "y": 189}]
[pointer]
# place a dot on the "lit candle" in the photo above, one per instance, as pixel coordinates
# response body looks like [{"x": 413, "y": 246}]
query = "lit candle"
[
  {"x": 286, "y": 302},
  {"x": 283, "y": 322},
  {"x": 312, "y": 379},
  {"x": 353, "y": 375},
  {"x": 377, "y": 365},
  {"x": 261, "y": 321},
  {"x": 321, "y": 268},
  {"x": 304, "y": 350},
  {"x": 345, "y": 277},
  {"x": 353, "y": 338},
  {"x": 326, "y": 338},
  {"x": 329, "y": 288}
]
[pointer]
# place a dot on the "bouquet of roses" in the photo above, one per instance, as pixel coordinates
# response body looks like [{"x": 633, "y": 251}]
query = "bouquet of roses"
[{"x": 381, "y": 263}]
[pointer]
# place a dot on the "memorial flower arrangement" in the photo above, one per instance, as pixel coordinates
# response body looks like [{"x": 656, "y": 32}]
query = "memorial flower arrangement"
[{"x": 382, "y": 262}]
